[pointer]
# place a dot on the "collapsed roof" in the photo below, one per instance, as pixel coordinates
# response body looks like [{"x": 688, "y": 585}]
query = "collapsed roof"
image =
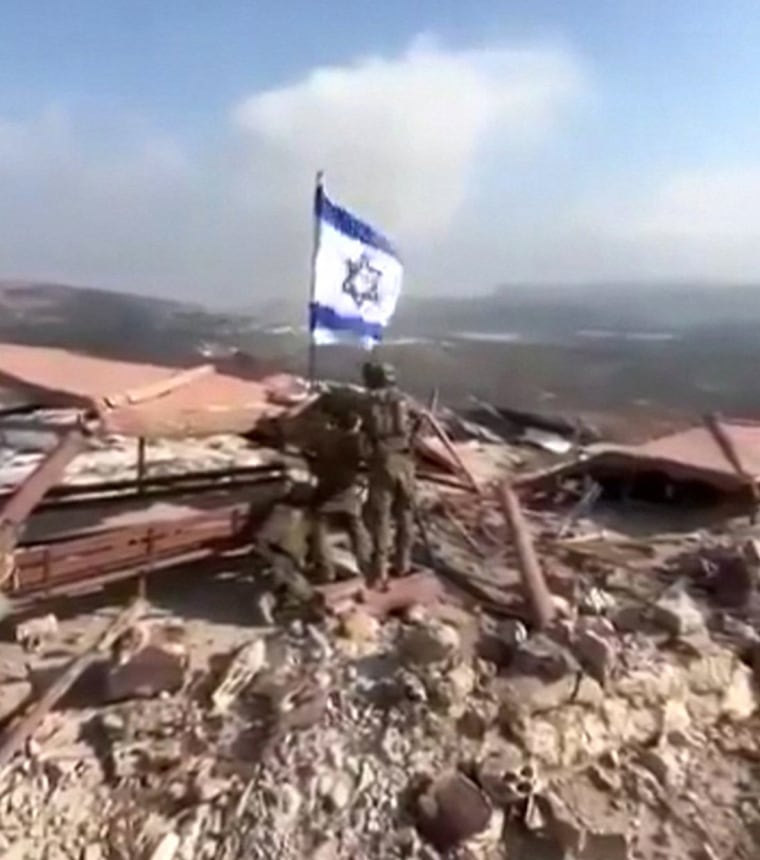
[
  {"x": 690, "y": 455},
  {"x": 142, "y": 399}
]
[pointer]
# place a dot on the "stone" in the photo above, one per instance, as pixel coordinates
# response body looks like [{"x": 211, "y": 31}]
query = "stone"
[
  {"x": 289, "y": 804},
  {"x": 359, "y": 627},
  {"x": 662, "y": 763},
  {"x": 605, "y": 778},
  {"x": 735, "y": 580},
  {"x": 336, "y": 789},
  {"x": 597, "y": 652},
  {"x": 326, "y": 850},
  {"x": 677, "y": 613},
  {"x": 147, "y": 673},
  {"x": 113, "y": 724},
  {"x": 561, "y": 824},
  {"x": 13, "y": 694},
  {"x": 407, "y": 841},
  {"x": 167, "y": 847},
  {"x": 605, "y": 846},
  {"x": 450, "y": 690},
  {"x": 263, "y": 608},
  {"x": 433, "y": 642},
  {"x": 451, "y": 811},
  {"x": 243, "y": 667},
  {"x": 500, "y": 639},
  {"x": 473, "y": 723},
  {"x": 506, "y": 774},
  {"x": 412, "y": 687},
  {"x": 596, "y": 601},
  {"x": 35, "y": 632}
]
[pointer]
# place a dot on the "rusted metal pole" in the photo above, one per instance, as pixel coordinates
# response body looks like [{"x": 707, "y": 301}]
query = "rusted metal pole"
[
  {"x": 537, "y": 594},
  {"x": 31, "y": 490},
  {"x": 141, "y": 465},
  {"x": 29, "y": 493},
  {"x": 726, "y": 444},
  {"x": 27, "y": 724},
  {"x": 158, "y": 389}
]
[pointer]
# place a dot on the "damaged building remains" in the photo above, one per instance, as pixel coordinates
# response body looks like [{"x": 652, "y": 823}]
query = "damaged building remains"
[{"x": 569, "y": 671}]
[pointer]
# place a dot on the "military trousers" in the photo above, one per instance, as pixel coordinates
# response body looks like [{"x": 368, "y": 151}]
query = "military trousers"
[
  {"x": 343, "y": 509},
  {"x": 391, "y": 503}
]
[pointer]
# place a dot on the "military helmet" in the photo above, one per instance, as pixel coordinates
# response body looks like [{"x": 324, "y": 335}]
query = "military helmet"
[{"x": 377, "y": 375}]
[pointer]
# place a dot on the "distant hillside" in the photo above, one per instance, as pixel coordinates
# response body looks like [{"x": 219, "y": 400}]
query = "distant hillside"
[
  {"x": 106, "y": 322},
  {"x": 578, "y": 349},
  {"x": 558, "y": 311}
]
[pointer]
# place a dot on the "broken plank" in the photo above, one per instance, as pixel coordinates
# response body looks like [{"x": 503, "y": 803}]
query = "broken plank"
[
  {"x": 244, "y": 666},
  {"x": 28, "y": 722}
]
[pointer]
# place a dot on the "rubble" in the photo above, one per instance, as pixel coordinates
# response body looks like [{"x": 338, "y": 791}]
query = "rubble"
[
  {"x": 243, "y": 667},
  {"x": 451, "y": 811},
  {"x": 677, "y": 613},
  {"x": 33, "y": 634},
  {"x": 574, "y": 686}
]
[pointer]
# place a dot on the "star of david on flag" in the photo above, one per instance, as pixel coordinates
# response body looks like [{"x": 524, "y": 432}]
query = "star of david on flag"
[{"x": 357, "y": 278}]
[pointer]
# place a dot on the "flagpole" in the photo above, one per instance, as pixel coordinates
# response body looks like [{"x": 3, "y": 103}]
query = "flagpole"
[{"x": 318, "y": 184}]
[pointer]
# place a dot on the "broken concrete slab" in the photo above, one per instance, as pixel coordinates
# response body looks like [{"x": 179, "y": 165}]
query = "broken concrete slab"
[
  {"x": 36, "y": 632},
  {"x": 596, "y": 646},
  {"x": 635, "y": 708},
  {"x": 148, "y": 672},
  {"x": 430, "y": 642},
  {"x": 677, "y": 613}
]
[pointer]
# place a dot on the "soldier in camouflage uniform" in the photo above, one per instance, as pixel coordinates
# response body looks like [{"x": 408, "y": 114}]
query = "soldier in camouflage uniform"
[
  {"x": 335, "y": 458},
  {"x": 388, "y": 427},
  {"x": 282, "y": 541}
]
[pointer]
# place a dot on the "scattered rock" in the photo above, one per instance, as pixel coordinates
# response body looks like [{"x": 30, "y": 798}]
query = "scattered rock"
[
  {"x": 596, "y": 649},
  {"x": 336, "y": 789},
  {"x": 13, "y": 694},
  {"x": 596, "y": 601},
  {"x": 145, "y": 674},
  {"x": 432, "y": 642},
  {"x": 506, "y": 775},
  {"x": 473, "y": 723},
  {"x": 451, "y": 811},
  {"x": 561, "y": 824},
  {"x": 663, "y": 763},
  {"x": 360, "y": 627},
  {"x": 605, "y": 846},
  {"x": 677, "y": 613},
  {"x": 450, "y": 690},
  {"x": 735, "y": 578},
  {"x": 36, "y": 632},
  {"x": 246, "y": 663},
  {"x": 605, "y": 778}
]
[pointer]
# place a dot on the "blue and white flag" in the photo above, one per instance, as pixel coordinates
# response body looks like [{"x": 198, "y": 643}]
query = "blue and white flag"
[{"x": 357, "y": 278}]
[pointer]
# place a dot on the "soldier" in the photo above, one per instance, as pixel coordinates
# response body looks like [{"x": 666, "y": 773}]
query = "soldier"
[
  {"x": 282, "y": 541},
  {"x": 335, "y": 458},
  {"x": 388, "y": 426}
]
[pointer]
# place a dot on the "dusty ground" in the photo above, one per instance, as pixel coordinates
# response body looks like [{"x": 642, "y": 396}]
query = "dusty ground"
[{"x": 645, "y": 749}]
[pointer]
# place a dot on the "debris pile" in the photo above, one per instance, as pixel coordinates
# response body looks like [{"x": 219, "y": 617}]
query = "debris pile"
[{"x": 571, "y": 671}]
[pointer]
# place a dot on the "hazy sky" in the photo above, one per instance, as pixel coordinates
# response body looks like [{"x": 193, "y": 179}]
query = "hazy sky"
[{"x": 170, "y": 146}]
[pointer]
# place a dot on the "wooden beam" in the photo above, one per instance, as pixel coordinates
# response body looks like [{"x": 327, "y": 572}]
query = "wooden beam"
[{"x": 28, "y": 723}]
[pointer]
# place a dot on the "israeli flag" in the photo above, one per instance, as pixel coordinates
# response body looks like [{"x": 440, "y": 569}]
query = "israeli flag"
[{"x": 357, "y": 278}]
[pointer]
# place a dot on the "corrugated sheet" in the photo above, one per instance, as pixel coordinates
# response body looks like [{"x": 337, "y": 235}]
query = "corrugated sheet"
[
  {"x": 198, "y": 402},
  {"x": 693, "y": 453}
]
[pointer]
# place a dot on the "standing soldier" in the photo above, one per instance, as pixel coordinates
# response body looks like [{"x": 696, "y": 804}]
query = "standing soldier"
[
  {"x": 335, "y": 458},
  {"x": 388, "y": 427}
]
